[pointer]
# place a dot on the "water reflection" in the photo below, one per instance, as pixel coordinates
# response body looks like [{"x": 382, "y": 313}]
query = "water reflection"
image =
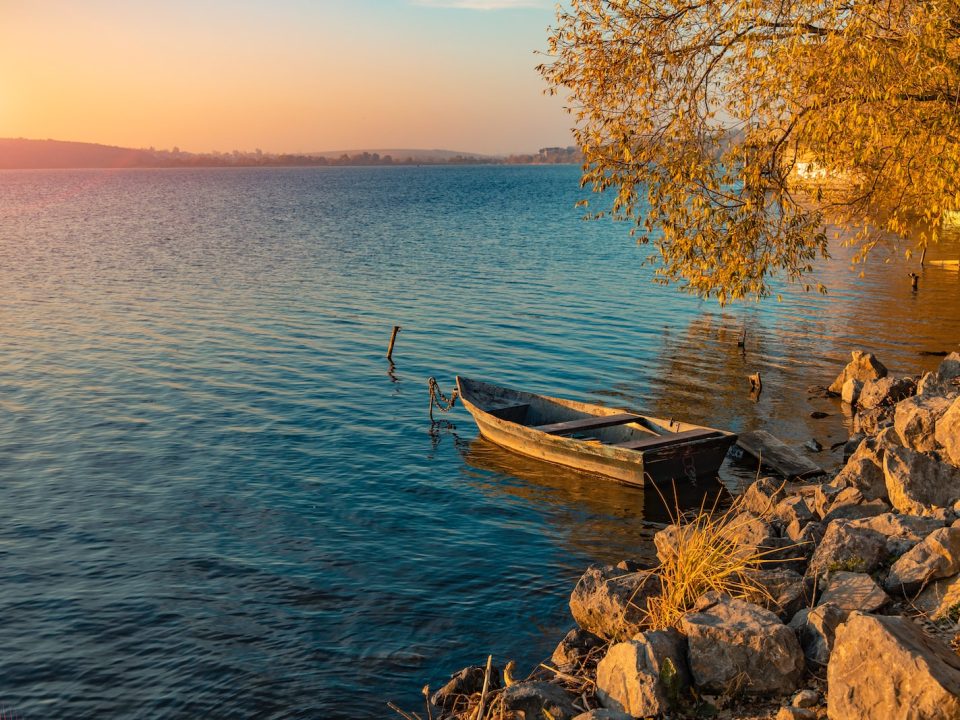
[{"x": 597, "y": 517}]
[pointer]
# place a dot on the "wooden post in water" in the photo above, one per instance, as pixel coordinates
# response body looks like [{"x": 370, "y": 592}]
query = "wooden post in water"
[
  {"x": 914, "y": 279},
  {"x": 393, "y": 339},
  {"x": 923, "y": 254}
]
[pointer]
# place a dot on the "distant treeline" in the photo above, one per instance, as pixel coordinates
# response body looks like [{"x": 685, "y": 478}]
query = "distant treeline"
[{"x": 37, "y": 154}]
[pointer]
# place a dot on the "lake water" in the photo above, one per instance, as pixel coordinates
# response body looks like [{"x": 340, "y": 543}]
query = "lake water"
[{"x": 217, "y": 499}]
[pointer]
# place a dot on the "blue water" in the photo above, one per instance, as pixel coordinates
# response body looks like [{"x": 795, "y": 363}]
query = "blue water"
[{"x": 217, "y": 499}]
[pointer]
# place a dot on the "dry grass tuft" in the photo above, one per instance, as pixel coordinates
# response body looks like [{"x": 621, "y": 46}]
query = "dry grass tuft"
[{"x": 708, "y": 555}]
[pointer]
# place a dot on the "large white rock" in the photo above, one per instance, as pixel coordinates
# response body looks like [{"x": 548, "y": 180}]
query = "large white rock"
[
  {"x": 916, "y": 421},
  {"x": 733, "y": 641},
  {"x": 886, "y": 668},
  {"x": 918, "y": 483},
  {"x": 938, "y": 556},
  {"x": 644, "y": 676},
  {"x": 947, "y": 433},
  {"x": 610, "y": 602}
]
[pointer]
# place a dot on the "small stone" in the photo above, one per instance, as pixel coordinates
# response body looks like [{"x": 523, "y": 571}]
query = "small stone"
[
  {"x": 806, "y": 699},
  {"x": 762, "y": 496},
  {"x": 794, "y": 509},
  {"x": 816, "y": 629},
  {"x": 574, "y": 649},
  {"x": 851, "y": 591},
  {"x": 938, "y": 556},
  {"x": 886, "y": 391},
  {"x": 864, "y": 471},
  {"x": 533, "y": 698},
  {"x": 463, "y": 684},
  {"x": 603, "y": 714},
  {"x": 813, "y": 446},
  {"x": 873, "y": 421},
  {"x": 795, "y": 713},
  {"x": 789, "y": 591},
  {"x": 940, "y": 599}
]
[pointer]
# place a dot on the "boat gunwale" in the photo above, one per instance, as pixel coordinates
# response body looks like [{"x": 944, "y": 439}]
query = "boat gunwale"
[{"x": 601, "y": 451}]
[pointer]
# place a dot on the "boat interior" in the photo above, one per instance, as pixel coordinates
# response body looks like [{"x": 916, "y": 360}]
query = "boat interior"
[{"x": 588, "y": 423}]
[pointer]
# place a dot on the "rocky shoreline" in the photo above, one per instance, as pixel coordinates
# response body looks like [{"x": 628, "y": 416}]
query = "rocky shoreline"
[{"x": 837, "y": 599}]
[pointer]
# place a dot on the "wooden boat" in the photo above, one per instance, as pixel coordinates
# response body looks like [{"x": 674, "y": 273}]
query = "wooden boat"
[{"x": 633, "y": 448}]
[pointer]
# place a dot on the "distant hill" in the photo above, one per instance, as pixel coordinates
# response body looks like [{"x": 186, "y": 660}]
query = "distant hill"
[
  {"x": 21, "y": 153},
  {"x": 26, "y": 154}
]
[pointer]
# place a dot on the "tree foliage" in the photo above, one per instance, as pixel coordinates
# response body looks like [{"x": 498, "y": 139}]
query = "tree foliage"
[{"x": 728, "y": 131}]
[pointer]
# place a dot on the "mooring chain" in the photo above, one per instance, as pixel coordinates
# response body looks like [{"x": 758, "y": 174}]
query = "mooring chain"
[{"x": 442, "y": 402}]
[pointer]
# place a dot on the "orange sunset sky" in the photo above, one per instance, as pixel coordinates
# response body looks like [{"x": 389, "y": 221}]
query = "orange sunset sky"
[{"x": 281, "y": 75}]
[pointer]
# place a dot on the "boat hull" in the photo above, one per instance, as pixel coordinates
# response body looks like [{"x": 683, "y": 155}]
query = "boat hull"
[{"x": 681, "y": 462}]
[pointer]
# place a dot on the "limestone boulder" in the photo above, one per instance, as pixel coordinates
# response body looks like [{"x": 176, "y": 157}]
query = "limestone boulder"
[
  {"x": 462, "y": 685},
  {"x": 947, "y": 433},
  {"x": 575, "y": 648},
  {"x": 900, "y": 532},
  {"x": 887, "y": 667},
  {"x": 788, "y": 590},
  {"x": 816, "y": 629},
  {"x": 872, "y": 421},
  {"x": 533, "y": 698},
  {"x": 850, "y": 392},
  {"x": 886, "y": 391},
  {"x": 755, "y": 535},
  {"x": 644, "y": 676},
  {"x": 824, "y": 496},
  {"x": 864, "y": 471},
  {"x": 940, "y": 599},
  {"x": 938, "y": 556},
  {"x": 848, "y": 545},
  {"x": 862, "y": 366},
  {"x": 916, "y": 419},
  {"x": 794, "y": 509},
  {"x": 762, "y": 496},
  {"x": 665, "y": 541},
  {"x": 610, "y": 602},
  {"x": 733, "y": 640},
  {"x": 949, "y": 368},
  {"x": 918, "y": 483},
  {"x": 853, "y": 592}
]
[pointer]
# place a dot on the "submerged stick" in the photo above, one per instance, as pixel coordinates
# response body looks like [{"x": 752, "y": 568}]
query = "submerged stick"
[{"x": 393, "y": 339}]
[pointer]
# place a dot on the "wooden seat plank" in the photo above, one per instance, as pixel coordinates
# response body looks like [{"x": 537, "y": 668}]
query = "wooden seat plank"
[
  {"x": 590, "y": 423},
  {"x": 668, "y": 439}
]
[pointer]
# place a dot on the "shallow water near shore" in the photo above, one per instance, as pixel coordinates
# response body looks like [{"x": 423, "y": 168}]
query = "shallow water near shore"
[{"x": 217, "y": 499}]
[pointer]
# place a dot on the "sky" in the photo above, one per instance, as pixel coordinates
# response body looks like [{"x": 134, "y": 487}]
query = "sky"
[{"x": 280, "y": 75}]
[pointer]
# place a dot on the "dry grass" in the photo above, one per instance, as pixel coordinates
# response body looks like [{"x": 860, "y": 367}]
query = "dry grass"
[{"x": 708, "y": 555}]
